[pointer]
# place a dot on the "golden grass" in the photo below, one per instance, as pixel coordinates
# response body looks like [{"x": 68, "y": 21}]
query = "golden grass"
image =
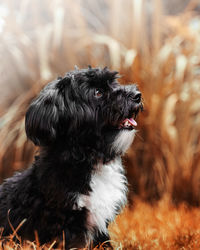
[
  {"x": 162, "y": 226},
  {"x": 160, "y": 53}
]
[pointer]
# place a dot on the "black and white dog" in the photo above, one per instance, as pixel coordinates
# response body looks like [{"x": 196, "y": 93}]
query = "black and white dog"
[{"x": 83, "y": 123}]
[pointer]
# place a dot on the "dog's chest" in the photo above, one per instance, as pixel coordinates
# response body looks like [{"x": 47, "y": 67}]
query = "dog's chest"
[{"x": 108, "y": 195}]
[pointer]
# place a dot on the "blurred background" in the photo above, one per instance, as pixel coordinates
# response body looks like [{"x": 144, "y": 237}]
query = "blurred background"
[{"x": 155, "y": 43}]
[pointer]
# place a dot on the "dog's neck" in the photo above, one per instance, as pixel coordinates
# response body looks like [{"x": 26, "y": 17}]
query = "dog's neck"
[
  {"x": 73, "y": 170},
  {"x": 80, "y": 151}
]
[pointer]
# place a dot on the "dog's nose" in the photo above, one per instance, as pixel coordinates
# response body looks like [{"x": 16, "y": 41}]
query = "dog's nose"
[
  {"x": 133, "y": 92},
  {"x": 137, "y": 97}
]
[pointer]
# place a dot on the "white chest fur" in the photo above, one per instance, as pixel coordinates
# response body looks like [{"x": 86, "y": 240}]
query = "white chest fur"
[{"x": 109, "y": 188}]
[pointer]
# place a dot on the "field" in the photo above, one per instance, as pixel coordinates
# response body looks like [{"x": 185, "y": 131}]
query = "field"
[{"x": 147, "y": 45}]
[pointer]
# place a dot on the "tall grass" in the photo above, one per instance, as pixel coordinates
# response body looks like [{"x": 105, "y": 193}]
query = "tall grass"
[
  {"x": 166, "y": 159},
  {"x": 44, "y": 39}
]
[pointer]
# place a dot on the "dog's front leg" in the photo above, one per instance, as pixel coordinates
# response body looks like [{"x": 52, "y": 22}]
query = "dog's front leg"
[
  {"x": 74, "y": 239},
  {"x": 102, "y": 241}
]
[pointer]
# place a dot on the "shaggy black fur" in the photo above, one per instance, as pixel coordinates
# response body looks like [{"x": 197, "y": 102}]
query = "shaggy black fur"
[{"x": 74, "y": 120}]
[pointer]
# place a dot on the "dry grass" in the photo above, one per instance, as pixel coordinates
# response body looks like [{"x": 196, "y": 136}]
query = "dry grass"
[
  {"x": 42, "y": 39},
  {"x": 166, "y": 159},
  {"x": 157, "y": 227}
]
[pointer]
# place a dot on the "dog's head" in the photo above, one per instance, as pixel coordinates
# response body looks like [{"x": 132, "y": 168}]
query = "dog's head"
[{"x": 86, "y": 104}]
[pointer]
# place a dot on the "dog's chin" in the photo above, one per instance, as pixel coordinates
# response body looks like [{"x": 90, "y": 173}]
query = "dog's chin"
[
  {"x": 123, "y": 140},
  {"x": 120, "y": 135}
]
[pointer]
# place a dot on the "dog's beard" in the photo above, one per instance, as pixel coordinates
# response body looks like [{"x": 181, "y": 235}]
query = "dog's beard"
[{"x": 123, "y": 140}]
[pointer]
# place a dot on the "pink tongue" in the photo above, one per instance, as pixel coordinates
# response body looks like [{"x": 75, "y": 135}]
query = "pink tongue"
[{"x": 132, "y": 122}]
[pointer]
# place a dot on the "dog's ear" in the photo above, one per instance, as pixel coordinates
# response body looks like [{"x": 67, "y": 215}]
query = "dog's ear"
[{"x": 43, "y": 115}]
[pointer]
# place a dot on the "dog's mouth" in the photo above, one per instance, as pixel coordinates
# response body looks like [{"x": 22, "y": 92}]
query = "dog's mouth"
[{"x": 128, "y": 123}]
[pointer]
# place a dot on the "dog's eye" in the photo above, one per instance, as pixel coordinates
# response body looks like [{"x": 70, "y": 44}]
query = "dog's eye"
[{"x": 98, "y": 93}]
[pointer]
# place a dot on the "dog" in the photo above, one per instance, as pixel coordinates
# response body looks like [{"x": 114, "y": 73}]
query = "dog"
[{"x": 83, "y": 123}]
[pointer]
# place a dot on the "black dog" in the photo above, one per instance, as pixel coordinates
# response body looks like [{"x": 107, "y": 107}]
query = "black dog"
[{"x": 83, "y": 123}]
